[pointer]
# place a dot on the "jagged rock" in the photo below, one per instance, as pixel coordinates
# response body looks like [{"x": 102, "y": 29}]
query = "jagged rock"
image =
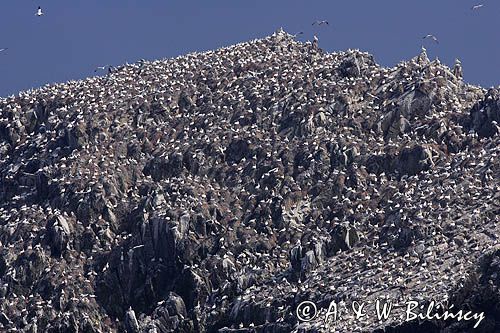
[
  {"x": 76, "y": 137},
  {"x": 160, "y": 167},
  {"x": 175, "y": 306},
  {"x": 296, "y": 255},
  {"x": 351, "y": 237},
  {"x": 185, "y": 101},
  {"x": 415, "y": 103},
  {"x": 131, "y": 323},
  {"x": 411, "y": 161},
  {"x": 4, "y": 319},
  {"x": 237, "y": 150},
  {"x": 59, "y": 234},
  {"x": 485, "y": 115},
  {"x": 31, "y": 120},
  {"x": 309, "y": 261}
]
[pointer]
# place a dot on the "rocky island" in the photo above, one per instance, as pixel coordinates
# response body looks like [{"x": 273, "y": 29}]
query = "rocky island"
[{"x": 267, "y": 186}]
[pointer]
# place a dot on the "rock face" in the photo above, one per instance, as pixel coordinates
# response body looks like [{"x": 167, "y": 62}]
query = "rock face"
[
  {"x": 217, "y": 191},
  {"x": 484, "y": 117}
]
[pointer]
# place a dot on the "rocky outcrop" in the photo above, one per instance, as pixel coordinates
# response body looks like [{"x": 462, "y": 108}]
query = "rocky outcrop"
[{"x": 484, "y": 117}]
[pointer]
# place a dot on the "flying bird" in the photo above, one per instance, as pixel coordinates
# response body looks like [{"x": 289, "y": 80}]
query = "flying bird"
[
  {"x": 431, "y": 37},
  {"x": 477, "y": 6},
  {"x": 321, "y": 22},
  {"x": 39, "y": 12},
  {"x": 4, "y": 49}
]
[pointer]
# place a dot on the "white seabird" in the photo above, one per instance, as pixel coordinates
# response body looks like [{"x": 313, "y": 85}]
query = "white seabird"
[
  {"x": 434, "y": 38},
  {"x": 320, "y": 22},
  {"x": 103, "y": 68},
  {"x": 457, "y": 69},
  {"x": 315, "y": 41},
  {"x": 39, "y": 12},
  {"x": 477, "y": 6}
]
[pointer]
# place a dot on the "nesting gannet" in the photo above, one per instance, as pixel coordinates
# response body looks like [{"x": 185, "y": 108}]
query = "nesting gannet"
[
  {"x": 457, "y": 69},
  {"x": 422, "y": 58}
]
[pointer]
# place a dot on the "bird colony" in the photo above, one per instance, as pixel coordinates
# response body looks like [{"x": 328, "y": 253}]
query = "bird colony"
[{"x": 216, "y": 191}]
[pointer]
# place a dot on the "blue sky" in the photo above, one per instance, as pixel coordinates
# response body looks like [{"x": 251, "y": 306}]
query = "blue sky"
[{"x": 73, "y": 37}]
